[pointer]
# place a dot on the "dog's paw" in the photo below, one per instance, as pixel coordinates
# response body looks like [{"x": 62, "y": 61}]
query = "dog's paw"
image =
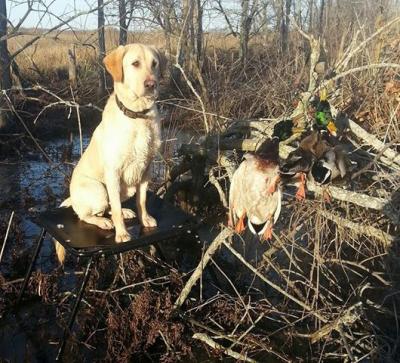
[
  {"x": 123, "y": 236},
  {"x": 148, "y": 221},
  {"x": 104, "y": 223},
  {"x": 128, "y": 213}
]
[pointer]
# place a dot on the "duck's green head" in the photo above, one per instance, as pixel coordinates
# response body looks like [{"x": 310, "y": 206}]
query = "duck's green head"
[{"x": 283, "y": 129}]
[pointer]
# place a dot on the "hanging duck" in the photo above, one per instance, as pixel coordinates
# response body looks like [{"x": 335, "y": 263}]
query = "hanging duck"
[
  {"x": 255, "y": 193},
  {"x": 300, "y": 161}
]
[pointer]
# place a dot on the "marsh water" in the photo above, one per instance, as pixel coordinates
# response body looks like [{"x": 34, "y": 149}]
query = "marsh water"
[{"x": 28, "y": 184}]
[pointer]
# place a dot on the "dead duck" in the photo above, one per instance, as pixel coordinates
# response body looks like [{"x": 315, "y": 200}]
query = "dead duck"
[
  {"x": 300, "y": 161},
  {"x": 286, "y": 128},
  {"x": 255, "y": 193},
  {"x": 331, "y": 165},
  {"x": 323, "y": 114}
]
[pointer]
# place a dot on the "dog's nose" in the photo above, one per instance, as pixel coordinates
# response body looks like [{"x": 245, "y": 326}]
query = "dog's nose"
[{"x": 149, "y": 84}]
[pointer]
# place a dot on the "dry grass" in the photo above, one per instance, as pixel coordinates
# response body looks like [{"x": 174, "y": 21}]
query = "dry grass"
[{"x": 49, "y": 55}]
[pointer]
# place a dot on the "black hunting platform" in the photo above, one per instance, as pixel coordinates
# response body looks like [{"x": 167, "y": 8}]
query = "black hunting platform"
[{"x": 90, "y": 242}]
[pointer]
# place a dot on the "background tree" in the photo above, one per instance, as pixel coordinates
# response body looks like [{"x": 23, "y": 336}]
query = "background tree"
[
  {"x": 5, "y": 62},
  {"x": 123, "y": 28},
  {"x": 125, "y": 15},
  {"x": 248, "y": 11},
  {"x": 101, "y": 48},
  {"x": 285, "y": 20}
]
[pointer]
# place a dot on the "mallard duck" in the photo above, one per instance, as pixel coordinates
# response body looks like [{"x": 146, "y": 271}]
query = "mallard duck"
[
  {"x": 323, "y": 115},
  {"x": 332, "y": 164},
  {"x": 300, "y": 161},
  {"x": 285, "y": 129},
  {"x": 255, "y": 192}
]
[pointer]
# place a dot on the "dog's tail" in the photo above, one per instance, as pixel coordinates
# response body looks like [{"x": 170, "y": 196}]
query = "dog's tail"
[
  {"x": 66, "y": 203},
  {"x": 60, "y": 250}
]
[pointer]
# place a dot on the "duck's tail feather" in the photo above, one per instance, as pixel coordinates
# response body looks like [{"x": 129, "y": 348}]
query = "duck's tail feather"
[{"x": 260, "y": 229}]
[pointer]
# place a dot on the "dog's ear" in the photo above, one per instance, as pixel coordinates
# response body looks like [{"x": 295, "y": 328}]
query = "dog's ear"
[
  {"x": 162, "y": 60},
  {"x": 113, "y": 63}
]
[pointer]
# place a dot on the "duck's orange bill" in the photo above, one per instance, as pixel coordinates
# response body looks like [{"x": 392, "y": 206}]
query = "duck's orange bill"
[{"x": 332, "y": 128}]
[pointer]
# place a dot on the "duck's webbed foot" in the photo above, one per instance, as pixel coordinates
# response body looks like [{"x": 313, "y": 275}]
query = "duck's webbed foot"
[
  {"x": 240, "y": 227},
  {"x": 267, "y": 233},
  {"x": 301, "y": 191},
  {"x": 274, "y": 184},
  {"x": 326, "y": 196},
  {"x": 230, "y": 221}
]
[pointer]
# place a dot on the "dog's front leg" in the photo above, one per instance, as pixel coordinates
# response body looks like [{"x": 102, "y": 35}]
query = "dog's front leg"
[
  {"x": 145, "y": 218},
  {"x": 112, "y": 179}
]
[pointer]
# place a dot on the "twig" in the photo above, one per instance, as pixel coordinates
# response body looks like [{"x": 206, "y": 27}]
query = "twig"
[
  {"x": 248, "y": 330},
  {"x": 206, "y": 339},
  {"x": 345, "y": 343},
  {"x": 350, "y": 316},
  {"x": 360, "y": 266},
  {"x": 189, "y": 83},
  {"x": 6, "y": 236},
  {"x": 364, "y": 68},
  {"x": 376, "y": 158},
  {"x": 27, "y": 129},
  {"x": 361, "y": 229},
  {"x": 373, "y": 141},
  {"x": 343, "y": 63},
  {"x": 78, "y": 114},
  {"x": 214, "y": 181},
  {"x": 222, "y": 236},
  {"x": 273, "y": 285},
  {"x": 362, "y": 200}
]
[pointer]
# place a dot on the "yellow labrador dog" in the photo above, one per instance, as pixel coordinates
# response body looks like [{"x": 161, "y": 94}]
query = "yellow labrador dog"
[{"x": 116, "y": 163}]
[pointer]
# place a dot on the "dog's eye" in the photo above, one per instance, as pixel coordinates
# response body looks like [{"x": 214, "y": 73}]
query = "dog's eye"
[
  {"x": 136, "y": 64},
  {"x": 154, "y": 64}
]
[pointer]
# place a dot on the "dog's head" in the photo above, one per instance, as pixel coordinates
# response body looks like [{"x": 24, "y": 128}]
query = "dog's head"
[{"x": 136, "y": 69}]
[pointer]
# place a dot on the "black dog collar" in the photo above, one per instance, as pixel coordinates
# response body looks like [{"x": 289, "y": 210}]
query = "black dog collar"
[{"x": 129, "y": 113}]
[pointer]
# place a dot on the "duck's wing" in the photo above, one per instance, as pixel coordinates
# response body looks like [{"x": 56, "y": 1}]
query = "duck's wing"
[
  {"x": 238, "y": 183},
  {"x": 298, "y": 161},
  {"x": 262, "y": 200},
  {"x": 342, "y": 161}
]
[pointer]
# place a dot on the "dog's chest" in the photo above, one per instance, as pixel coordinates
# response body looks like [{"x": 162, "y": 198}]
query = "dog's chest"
[{"x": 141, "y": 146}]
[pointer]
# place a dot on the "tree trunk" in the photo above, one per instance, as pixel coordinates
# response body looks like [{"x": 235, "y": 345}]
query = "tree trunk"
[
  {"x": 72, "y": 73},
  {"x": 311, "y": 12},
  {"x": 285, "y": 25},
  {"x": 102, "y": 48},
  {"x": 245, "y": 25},
  {"x": 123, "y": 31},
  {"x": 198, "y": 17},
  {"x": 321, "y": 18},
  {"x": 5, "y": 74}
]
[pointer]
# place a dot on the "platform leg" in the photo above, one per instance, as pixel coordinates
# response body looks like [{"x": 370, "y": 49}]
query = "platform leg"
[
  {"x": 33, "y": 260},
  {"x": 75, "y": 308}
]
